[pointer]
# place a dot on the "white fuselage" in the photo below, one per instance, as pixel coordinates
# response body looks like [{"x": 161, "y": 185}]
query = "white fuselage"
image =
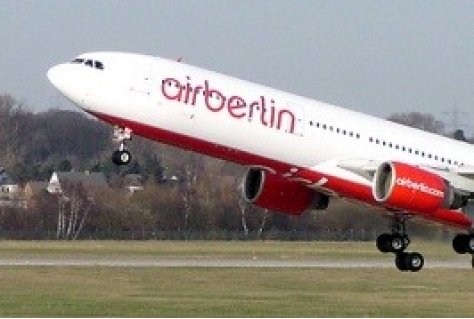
[{"x": 231, "y": 115}]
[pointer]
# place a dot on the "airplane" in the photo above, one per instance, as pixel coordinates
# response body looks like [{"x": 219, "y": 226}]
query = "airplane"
[{"x": 299, "y": 152}]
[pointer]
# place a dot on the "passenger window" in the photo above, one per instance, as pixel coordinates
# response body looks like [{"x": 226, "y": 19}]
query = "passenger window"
[{"x": 89, "y": 63}]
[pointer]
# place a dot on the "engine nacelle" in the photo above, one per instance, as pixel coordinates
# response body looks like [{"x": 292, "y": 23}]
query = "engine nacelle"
[
  {"x": 403, "y": 186},
  {"x": 272, "y": 192}
]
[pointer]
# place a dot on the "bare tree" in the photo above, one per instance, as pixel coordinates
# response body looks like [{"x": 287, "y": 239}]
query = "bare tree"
[
  {"x": 188, "y": 191},
  {"x": 422, "y": 121},
  {"x": 12, "y": 127},
  {"x": 74, "y": 206},
  {"x": 266, "y": 213},
  {"x": 243, "y": 209}
]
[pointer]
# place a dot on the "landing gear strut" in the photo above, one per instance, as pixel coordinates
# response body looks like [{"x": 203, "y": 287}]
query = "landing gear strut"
[
  {"x": 122, "y": 156},
  {"x": 396, "y": 242}
]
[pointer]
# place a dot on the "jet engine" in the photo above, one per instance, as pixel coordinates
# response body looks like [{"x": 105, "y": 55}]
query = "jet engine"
[
  {"x": 403, "y": 186},
  {"x": 273, "y": 192}
]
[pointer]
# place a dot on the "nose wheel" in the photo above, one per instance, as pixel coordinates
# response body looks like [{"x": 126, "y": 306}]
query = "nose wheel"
[{"x": 122, "y": 156}]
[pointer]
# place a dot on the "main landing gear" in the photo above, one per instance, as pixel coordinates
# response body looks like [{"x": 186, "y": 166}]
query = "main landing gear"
[
  {"x": 464, "y": 244},
  {"x": 396, "y": 242},
  {"x": 122, "y": 156}
]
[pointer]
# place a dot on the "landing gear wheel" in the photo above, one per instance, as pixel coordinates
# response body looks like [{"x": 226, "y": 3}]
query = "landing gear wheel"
[
  {"x": 463, "y": 243},
  {"x": 395, "y": 243},
  {"x": 398, "y": 243},
  {"x": 383, "y": 243},
  {"x": 121, "y": 157},
  {"x": 470, "y": 244},
  {"x": 125, "y": 157},
  {"x": 116, "y": 158},
  {"x": 460, "y": 243},
  {"x": 409, "y": 261},
  {"x": 416, "y": 261},
  {"x": 400, "y": 261}
]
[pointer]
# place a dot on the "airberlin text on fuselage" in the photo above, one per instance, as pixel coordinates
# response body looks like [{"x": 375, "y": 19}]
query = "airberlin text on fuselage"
[{"x": 236, "y": 106}]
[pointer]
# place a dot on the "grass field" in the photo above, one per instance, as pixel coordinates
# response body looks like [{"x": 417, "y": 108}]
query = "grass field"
[
  {"x": 217, "y": 249},
  {"x": 229, "y": 292}
]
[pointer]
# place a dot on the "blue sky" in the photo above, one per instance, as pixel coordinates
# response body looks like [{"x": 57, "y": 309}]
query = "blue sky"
[{"x": 377, "y": 57}]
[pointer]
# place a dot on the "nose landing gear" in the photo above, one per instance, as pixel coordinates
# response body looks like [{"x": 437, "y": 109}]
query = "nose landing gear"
[{"x": 121, "y": 156}]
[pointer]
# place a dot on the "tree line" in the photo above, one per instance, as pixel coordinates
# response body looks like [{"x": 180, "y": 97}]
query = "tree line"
[{"x": 183, "y": 191}]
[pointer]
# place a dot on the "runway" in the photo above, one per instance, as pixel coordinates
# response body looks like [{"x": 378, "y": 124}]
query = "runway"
[{"x": 133, "y": 262}]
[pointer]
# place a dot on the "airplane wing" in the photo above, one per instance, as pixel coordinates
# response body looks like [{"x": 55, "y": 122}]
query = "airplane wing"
[
  {"x": 363, "y": 167},
  {"x": 466, "y": 171}
]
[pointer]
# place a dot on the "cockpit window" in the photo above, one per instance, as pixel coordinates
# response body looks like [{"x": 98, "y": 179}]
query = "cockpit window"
[
  {"x": 98, "y": 65},
  {"x": 90, "y": 63}
]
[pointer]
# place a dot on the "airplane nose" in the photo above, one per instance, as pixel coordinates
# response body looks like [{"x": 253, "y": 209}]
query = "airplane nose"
[
  {"x": 56, "y": 77},
  {"x": 75, "y": 82},
  {"x": 65, "y": 80}
]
